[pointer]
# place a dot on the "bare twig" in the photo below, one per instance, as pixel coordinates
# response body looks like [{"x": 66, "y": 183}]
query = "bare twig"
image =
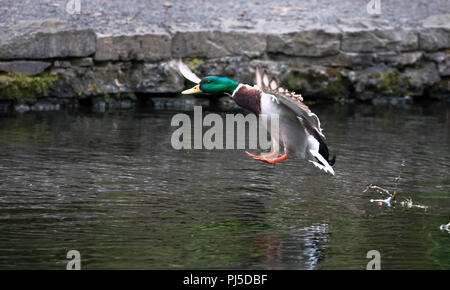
[{"x": 391, "y": 197}]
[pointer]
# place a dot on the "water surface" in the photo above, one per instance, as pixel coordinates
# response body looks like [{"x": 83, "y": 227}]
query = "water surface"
[{"x": 110, "y": 186}]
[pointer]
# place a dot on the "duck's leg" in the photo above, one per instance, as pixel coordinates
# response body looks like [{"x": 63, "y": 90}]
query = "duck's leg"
[
  {"x": 265, "y": 158},
  {"x": 275, "y": 152},
  {"x": 262, "y": 156},
  {"x": 275, "y": 160}
]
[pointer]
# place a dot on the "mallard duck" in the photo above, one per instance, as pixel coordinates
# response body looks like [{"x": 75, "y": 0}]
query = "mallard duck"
[{"x": 300, "y": 133}]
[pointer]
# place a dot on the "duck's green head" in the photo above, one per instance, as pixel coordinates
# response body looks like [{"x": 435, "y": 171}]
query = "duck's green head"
[{"x": 213, "y": 85}]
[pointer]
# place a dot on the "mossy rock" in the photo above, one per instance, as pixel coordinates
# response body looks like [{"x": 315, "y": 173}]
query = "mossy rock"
[
  {"x": 326, "y": 83},
  {"x": 385, "y": 82},
  {"x": 338, "y": 85},
  {"x": 194, "y": 64},
  {"x": 298, "y": 81},
  {"x": 24, "y": 89}
]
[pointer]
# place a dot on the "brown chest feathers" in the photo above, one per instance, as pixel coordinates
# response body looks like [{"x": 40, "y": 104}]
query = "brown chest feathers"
[{"x": 249, "y": 98}]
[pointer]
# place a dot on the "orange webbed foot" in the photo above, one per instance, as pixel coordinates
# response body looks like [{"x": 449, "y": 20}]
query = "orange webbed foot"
[
  {"x": 275, "y": 160},
  {"x": 265, "y": 158},
  {"x": 260, "y": 157}
]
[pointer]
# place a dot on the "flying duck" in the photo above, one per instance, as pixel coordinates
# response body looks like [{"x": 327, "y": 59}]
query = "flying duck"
[{"x": 299, "y": 133}]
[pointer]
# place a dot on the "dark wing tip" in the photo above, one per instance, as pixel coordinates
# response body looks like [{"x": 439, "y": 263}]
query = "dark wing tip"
[{"x": 332, "y": 160}]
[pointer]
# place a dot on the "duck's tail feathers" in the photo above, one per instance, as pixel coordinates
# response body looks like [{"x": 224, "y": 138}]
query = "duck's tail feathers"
[
  {"x": 332, "y": 160},
  {"x": 320, "y": 161},
  {"x": 318, "y": 149}
]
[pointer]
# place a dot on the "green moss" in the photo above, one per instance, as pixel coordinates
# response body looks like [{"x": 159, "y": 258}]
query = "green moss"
[
  {"x": 340, "y": 60},
  {"x": 92, "y": 88},
  {"x": 332, "y": 72},
  {"x": 81, "y": 93},
  {"x": 194, "y": 63},
  {"x": 26, "y": 89},
  {"x": 338, "y": 86},
  {"x": 330, "y": 83},
  {"x": 388, "y": 82},
  {"x": 299, "y": 80}
]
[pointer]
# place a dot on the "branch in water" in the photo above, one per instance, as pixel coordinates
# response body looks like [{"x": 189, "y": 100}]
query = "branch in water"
[{"x": 391, "y": 199}]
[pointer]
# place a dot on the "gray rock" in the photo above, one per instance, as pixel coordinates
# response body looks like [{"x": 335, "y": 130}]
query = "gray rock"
[
  {"x": 398, "y": 59},
  {"x": 424, "y": 76},
  {"x": 83, "y": 62},
  {"x": 437, "y": 57},
  {"x": 213, "y": 44},
  {"x": 46, "y": 39},
  {"x": 147, "y": 47},
  {"x": 379, "y": 80},
  {"x": 435, "y": 34},
  {"x": 444, "y": 68},
  {"x": 319, "y": 51},
  {"x": 24, "y": 67},
  {"x": 352, "y": 59},
  {"x": 363, "y": 35},
  {"x": 321, "y": 41},
  {"x": 276, "y": 68},
  {"x": 117, "y": 78},
  {"x": 443, "y": 61},
  {"x": 237, "y": 68},
  {"x": 62, "y": 63},
  {"x": 318, "y": 81},
  {"x": 384, "y": 81},
  {"x": 162, "y": 77}
]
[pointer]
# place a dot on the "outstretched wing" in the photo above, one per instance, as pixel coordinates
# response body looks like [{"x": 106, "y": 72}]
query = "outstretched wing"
[
  {"x": 187, "y": 73},
  {"x": 293, "y": 101}
]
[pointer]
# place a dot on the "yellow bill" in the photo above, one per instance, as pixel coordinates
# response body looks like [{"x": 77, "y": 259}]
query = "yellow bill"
[{"x": 194, "y": 90}]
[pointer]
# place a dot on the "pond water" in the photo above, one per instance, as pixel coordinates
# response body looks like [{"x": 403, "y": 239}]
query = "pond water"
[{"x": 110, "y": 186}]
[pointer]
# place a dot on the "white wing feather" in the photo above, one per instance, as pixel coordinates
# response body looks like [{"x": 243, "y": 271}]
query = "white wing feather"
[{"x": 187, "y": 73}]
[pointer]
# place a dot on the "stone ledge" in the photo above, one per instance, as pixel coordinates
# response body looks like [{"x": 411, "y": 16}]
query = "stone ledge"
[
  {"x": 213, "y": 44},
  {"x": 46, "y": 39},
  {"x": 117, "y": 78},
  {"x": 30, "y": 68},
  {"x": 366, "y": 35},
  {"x": 350, "y": 58},
  {"x": 435, "y": 34},
  {"x": 146, "y": 47},
  {"x": 313, "y": 42}
]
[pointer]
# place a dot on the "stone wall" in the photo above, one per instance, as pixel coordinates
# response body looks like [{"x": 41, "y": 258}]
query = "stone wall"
[{"x": 355, "y": 58}]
